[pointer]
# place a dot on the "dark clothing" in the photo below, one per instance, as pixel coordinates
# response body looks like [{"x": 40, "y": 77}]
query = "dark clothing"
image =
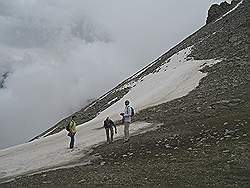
[
  {"x": 111, "y": 134},
  {"x": 108, "y": 125},
  {"x": 71, "y": 133},
  {"x": 72, "y": 140}
]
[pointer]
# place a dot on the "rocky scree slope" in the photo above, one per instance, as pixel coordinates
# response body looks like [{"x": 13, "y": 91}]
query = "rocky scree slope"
[
  {"x": 90, "y": 111},
  {"x": 204, "y": 137},
  {"x": 216, "y": 11}
]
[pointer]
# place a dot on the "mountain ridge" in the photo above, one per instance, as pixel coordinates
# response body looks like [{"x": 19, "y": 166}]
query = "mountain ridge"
[
  {"x": 90, "y": 111},
  {"x": 202, "y": 140}
]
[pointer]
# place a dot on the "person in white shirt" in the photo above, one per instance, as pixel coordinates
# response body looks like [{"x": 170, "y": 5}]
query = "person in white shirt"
[{"x": 127, "y": 117}]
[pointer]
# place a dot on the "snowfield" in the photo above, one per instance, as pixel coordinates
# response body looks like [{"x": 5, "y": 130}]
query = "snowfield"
[{"x": 174, "y": 79}]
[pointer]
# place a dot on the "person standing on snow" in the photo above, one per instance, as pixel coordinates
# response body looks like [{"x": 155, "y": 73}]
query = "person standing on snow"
[
  {"x": 127, "y": 118},
  {"x": 108, "y": 125},
  {"x": 72, "y": 131}
]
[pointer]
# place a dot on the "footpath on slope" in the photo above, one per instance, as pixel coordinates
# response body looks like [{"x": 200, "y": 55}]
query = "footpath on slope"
[
  {"x": 172, "y": 80},
  {"x": 204, "y": 137}
]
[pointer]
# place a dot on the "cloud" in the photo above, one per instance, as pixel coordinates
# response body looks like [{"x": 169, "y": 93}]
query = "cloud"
[{"x": 58, "y": 53}]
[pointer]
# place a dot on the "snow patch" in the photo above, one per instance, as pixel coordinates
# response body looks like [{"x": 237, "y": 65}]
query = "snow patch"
[
  {"x": 176, "y": 78},
  {"x": 112, "y": 100},
  {"x": 53, "y": 150}
]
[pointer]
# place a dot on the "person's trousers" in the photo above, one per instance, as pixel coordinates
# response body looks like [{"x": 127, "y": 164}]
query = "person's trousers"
[
  {"x": 72, "y": 140},
  {"x": 111, "y": 134},
  {"x": 126, "y": 130}
]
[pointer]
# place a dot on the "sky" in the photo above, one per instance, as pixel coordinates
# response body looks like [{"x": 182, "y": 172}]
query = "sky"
[{"x": 55, "y": 55}]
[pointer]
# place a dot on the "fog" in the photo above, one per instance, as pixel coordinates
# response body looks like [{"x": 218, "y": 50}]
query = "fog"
[{"x": 57, "y": 54}]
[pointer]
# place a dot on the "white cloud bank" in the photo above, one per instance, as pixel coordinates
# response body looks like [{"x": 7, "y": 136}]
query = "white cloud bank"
[
  {"x": 153, "y": 89},
  {"x": 59, "y": 53}
]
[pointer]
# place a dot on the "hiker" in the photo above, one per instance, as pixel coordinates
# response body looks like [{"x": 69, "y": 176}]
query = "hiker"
[
  {"x": 72, "y": 131},
  {"x": 108, "y": 125},
  {"x": 126, "y": 119}
]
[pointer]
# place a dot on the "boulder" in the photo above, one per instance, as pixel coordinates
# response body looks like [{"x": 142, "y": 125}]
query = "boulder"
[{"x": 216, "y": 11}]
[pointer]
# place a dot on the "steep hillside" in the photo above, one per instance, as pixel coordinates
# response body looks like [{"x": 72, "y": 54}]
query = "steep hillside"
[
  {"x": 216, "y": 11},
  {"x": 213, "y": 30},
  {"x": 199, "y": 136}
]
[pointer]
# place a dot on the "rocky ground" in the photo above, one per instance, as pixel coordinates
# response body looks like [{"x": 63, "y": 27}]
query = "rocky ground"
[
  {"x": 204, "y": 136},
  {"x": 187, "y": 150}
]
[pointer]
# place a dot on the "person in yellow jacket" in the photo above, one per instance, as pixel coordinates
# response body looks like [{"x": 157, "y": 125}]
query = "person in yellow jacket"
[{"x": 72, "y": 131}]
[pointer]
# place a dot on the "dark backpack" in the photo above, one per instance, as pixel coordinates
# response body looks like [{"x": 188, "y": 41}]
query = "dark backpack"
[{"x": 132, "y": 111}]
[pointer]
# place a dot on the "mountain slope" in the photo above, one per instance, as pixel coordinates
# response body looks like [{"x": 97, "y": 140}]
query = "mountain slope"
[
  {"x": 202, "y": 139},
  {"x": 172, "y": 80},
  {"x": 214, "y": 31}
]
